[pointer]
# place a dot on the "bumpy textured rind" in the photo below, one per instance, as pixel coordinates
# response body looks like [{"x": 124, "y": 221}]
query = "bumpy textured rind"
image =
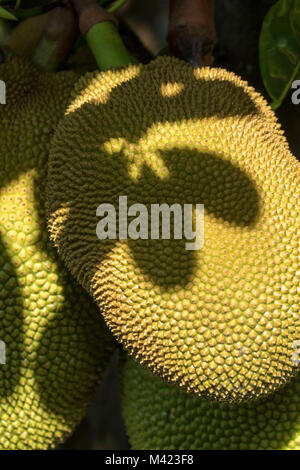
[
  {"x": 222, "y": 321},
  {"x": 162, "y": 417},
  {"x": 57, "y": 345}
]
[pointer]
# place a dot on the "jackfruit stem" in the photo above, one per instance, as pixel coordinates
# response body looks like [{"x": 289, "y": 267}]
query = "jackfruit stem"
[
  {"x": 107, "y": 46},
  {"x": 100, "y": 30},
  {"x": 57, "y": 38},
  {"x": 191, "y": 31}
]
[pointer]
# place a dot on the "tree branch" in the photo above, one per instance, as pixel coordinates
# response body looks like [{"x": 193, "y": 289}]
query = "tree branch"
[{"x": 191, "y": 32}]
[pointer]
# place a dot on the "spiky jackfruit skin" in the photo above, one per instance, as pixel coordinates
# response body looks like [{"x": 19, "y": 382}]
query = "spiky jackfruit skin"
[
  {"x": 57, "y": 345},
  {"x": 162, "y": 417},
  {"x": 221, "y": 321}
]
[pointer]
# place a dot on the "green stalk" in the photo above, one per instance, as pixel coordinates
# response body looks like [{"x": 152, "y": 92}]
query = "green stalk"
[
  {"x": 57, "y": 39},
  {"x": 98, "y": 27},
  {"x": 107, "y": 46}
]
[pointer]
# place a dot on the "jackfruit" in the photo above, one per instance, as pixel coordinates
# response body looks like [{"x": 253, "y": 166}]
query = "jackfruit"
[
  {"x": 221, "y": 321},
  {"x": 160, "y": 416},
  {"x": 26, "y": 35},
  {"x": 54, "y": 344}
]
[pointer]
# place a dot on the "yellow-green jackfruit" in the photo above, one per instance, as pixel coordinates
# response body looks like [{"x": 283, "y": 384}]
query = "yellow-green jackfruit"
[
  {"x": 161, "y": 416},
  {"x": 54, "y": 344},
  {"x": 220, "y": 321}
]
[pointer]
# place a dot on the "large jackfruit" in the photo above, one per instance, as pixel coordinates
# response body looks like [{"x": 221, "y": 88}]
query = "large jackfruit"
[
  {"x": 55, "y": 342},
  {"x": 221, "y": 321},
  {"x": 160, "y": 416}
]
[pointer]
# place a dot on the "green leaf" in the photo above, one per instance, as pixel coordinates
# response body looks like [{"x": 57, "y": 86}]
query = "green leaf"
[
  {"x": 34, "y": 3},
  {"x": 7, "y": 15},
  {"x": 279, "y": 49},
  {"x": 30, "y": 8},
  {"x": 24, "y": 13},
  {"x": 116, "y": 5}
]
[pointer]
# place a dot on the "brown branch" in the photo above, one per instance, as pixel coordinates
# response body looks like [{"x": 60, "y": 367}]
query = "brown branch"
[
  {"x": 90, "y": 13},
  {"x": 57, "y": 39},
  {"x": 191, "y": 32}
]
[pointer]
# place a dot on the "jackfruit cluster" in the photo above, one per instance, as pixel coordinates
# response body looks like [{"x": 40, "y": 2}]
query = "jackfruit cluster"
[
  {"x": 160, "y": 416},
  {"x": 221, "y": 322},
  {"x": 56, "y": 344}
]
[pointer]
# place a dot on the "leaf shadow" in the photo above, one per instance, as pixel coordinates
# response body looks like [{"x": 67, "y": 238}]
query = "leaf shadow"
[{"x": 208, "y": 175}]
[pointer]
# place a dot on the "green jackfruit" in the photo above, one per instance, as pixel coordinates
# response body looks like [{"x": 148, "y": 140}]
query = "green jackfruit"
[
  {"x": 26, "y": 35},
  {"x": 220, "y": 321},
  {"x": 55, "y": 341},
  {"x": 160, "y": 416}
]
